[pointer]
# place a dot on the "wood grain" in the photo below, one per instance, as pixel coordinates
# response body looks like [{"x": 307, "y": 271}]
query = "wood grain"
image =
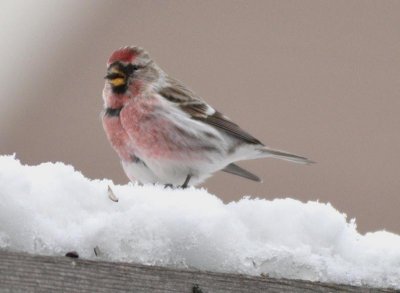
[{"x": 20, "y": 272}]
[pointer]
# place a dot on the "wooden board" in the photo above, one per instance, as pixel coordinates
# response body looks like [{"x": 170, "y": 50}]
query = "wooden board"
[{"x": 20, "y": 272}]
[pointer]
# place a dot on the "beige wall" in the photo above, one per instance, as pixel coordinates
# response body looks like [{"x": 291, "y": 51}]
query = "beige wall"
[{"x": 318, "y": 78}]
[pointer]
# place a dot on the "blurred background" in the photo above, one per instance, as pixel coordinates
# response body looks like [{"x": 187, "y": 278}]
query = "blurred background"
[{"x": 316, "y": 78}]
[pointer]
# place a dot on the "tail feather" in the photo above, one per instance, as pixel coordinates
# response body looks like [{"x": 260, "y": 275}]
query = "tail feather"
[{"x": 285, "y": 156}]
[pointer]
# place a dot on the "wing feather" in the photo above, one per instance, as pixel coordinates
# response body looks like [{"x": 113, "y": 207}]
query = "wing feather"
[{"x": 199, "y": 110}]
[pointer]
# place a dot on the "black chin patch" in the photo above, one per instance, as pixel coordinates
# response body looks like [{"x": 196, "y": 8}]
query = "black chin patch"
[{"x": 119, "y": 89}]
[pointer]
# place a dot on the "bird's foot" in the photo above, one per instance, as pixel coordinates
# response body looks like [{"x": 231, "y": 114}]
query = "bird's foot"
[{"x": 183, "y": 186}]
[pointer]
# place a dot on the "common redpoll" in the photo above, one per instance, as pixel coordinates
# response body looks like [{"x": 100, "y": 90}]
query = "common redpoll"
[{"x": 164, "y": 133}]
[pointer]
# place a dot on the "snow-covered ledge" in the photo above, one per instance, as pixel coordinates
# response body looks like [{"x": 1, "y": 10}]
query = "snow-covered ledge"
[{"x": 51, "y": 209}]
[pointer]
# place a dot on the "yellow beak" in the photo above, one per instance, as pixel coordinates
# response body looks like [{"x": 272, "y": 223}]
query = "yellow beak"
[
  {"x": 117, "y": 81},
  {"x": 116, "y": 77}
]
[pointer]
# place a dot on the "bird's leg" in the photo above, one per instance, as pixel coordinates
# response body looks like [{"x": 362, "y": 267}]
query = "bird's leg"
[
  {"x": 168, "y": 185},
  {"x": 185, "y": 184}
]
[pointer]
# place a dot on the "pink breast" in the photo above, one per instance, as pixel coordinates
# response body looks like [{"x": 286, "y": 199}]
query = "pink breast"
[
  {"x": 118, "y": 137},
  {"x": 154, "y": 136}
]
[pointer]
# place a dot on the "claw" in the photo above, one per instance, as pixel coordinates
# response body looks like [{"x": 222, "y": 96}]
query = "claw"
[{"x": 183, "y": 186}]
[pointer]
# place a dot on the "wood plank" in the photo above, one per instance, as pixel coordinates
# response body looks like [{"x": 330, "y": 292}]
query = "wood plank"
[{"x": 21, "y": 272}]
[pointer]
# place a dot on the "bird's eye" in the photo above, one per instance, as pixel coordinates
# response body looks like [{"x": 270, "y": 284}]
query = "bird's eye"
[{"x": 130, "y": 68}]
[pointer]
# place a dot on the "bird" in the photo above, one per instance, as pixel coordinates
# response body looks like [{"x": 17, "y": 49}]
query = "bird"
[{"x": 164, "y": 133}]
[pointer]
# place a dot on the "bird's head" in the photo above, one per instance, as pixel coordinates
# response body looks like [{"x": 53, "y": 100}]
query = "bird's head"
[{"x": 130, "y": 66}]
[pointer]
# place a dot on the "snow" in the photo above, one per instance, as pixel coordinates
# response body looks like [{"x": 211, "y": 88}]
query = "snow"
[{"x": 52, "y": 209}]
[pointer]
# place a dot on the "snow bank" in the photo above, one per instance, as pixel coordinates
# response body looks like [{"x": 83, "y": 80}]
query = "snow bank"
[{"x": 52, "y": 209}]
